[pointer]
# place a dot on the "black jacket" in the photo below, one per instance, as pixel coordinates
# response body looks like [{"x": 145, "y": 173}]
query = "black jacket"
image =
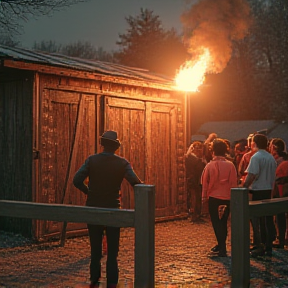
[{"x": 106, "y": 172}]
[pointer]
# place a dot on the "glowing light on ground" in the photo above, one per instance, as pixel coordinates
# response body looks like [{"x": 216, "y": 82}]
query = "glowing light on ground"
[{"x": 192, "y": 73}]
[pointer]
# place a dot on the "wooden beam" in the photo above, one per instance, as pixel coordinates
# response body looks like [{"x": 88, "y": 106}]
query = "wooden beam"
[
  {"x": 72, "y": 159},
  {"x": 268, "y": 207},
  {"x": 144, "y": 236},
  {"x": 240, "y": 238},
  {"x": 56, "y": 70},
  {"x": 175, "y": 100},
  {"x": 69, "y": 213},
  {"x": 143, "y": 219},
  {"x": 148, "y": 143}
]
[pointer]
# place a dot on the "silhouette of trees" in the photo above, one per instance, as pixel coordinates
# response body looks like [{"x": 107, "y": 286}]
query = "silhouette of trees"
[
  {"x": 261, "y": 62},
  {"x": 269, "y": 47},
  {"x": 148, "y": 45},
  {"x": 85, "y": 50},
  {"x": 47, "y": 46},
  {"x": 254, "y": 85},
  {"x": 7, "y": 40}
]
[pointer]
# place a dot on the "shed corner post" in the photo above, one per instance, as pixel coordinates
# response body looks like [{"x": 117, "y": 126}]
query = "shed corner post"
[
  {"x": 144, "y": 236},
  {"x": 240, "y": 238}
]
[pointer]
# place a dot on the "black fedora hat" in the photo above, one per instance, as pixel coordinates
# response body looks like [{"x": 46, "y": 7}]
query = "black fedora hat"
[{"x": 111, "y": 136}]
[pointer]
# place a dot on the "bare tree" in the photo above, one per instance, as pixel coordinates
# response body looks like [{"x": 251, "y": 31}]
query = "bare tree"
[
  {"x": 85, "y": 50},
  {"x": 12, "y": 12},
  {"x": 254, "y": 85},
  {"x": 47, "y": 46},
  {"x": 262, "y": 60},
  {"x": 7, "y": 40}
]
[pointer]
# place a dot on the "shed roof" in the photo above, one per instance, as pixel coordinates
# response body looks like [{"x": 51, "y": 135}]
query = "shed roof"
[
  {"x": 280, "y": 131},
  {"x": 236, "y": 130},
  {"x": 91, "y": 66}
]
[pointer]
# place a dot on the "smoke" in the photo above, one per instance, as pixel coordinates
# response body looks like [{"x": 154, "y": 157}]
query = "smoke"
[{"x": 216, "y": 24}]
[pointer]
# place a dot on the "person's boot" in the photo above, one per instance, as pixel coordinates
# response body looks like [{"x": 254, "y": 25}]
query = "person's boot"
[
  {"x": 215, "y": 248},
  {"x": 259, "y": 251}
]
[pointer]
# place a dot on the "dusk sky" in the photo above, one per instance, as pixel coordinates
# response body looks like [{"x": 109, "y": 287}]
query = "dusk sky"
[{"x": 99, "y": 21}]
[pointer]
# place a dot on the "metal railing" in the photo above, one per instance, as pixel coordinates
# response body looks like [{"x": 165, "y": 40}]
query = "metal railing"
[
  {"x": 242, "y": 210},
  {"x": 142, "y": 219}
]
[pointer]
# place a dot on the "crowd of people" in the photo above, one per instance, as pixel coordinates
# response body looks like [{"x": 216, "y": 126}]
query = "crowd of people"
[
  {"x": 213, "y": 167},
  {"x": 216, "y": 165}
]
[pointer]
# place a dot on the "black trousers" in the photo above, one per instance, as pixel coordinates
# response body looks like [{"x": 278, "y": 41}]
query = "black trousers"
[
  {"x": 281, "y": 223},
  {"x": 266, "y": 223},
  {"x": 194, "y": 200},
  {"x": 219, "y": 225},
  {"x": 112, "y": 236}
]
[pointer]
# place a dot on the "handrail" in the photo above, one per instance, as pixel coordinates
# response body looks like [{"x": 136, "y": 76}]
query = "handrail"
[
  {"x": 142, "y": 218},
  {"x": 241, "y": 212}
]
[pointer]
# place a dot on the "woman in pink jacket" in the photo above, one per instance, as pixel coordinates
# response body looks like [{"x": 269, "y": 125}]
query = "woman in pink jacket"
[{"x": 218, "y": 177}]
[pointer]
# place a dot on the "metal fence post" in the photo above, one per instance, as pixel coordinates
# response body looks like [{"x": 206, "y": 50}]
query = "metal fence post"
[
  {"x": 240, "y": 238},
  {"x": 144, "y": 236}
]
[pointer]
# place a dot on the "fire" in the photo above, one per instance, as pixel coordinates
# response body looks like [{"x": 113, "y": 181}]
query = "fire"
[{"x": 192, "y": 74}]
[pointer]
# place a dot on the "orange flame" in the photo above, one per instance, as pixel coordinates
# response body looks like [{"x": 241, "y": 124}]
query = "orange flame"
[{"x": 191, "y": 75}]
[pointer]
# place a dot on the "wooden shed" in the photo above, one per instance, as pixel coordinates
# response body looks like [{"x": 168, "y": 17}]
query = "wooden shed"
[{"x": 53, "y": 108}]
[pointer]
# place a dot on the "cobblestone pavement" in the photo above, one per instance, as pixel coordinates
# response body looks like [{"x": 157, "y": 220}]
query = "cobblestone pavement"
[{"x": 181, "y": 260}]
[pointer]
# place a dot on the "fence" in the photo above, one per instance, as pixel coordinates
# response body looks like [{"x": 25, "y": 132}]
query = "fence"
[
  {"x": 241, "y": 212},
  {"x": 142, "y": 218}
]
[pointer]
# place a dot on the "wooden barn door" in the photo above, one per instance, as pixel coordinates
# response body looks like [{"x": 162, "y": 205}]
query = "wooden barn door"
[
  {"x": 161, "y": 167},
  {"x": 67, "y": 139},
  {"x": 127, "y": 118},
  {"x": 148, "y": 133}
]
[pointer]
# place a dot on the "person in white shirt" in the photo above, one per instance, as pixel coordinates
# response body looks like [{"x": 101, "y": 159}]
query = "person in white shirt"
[{"x": 260, "y": 181}]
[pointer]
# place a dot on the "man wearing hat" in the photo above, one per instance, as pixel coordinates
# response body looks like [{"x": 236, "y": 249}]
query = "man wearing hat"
[{"x": 105, "y": 172}]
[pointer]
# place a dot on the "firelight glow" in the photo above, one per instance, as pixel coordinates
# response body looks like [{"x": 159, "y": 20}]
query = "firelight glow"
[{"x": 192, "y": 74}]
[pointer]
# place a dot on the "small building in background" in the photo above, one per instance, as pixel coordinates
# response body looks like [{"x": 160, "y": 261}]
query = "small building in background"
[
  {"x": 53, "y": 108},
  {"x": 236, "y": 130}
]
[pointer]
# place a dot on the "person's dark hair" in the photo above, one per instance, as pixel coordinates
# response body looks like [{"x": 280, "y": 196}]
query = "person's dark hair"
[
  {"x": 240, "y": 147},
  {"x": 219, "y": 147},
  {"x": 228, "y": 143},
  {"x": 279, "y": 146},
  {"x": 260, "y": 140},
  {"x": 210, "y": 138},
  {"x": 196, "y": 145},
  {"x": 109, "y": 146}
]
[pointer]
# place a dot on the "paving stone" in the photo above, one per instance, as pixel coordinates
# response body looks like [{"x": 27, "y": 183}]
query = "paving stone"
[{"x": 181, "y": 260}]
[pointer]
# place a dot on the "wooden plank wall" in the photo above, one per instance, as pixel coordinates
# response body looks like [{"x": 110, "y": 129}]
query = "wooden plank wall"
[
  {"x": 181, "y": 150},
  {"x": 16, "y": 94},
  {"x": 64, "y": 146},
  {"x": 142, "y": 147},
  {"x": 162, "y": 108},
  {"x": 127, "y": 117}
]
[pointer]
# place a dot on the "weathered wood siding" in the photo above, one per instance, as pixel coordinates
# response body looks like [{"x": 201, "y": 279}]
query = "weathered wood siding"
[
  {"x": 63, "y": 117},
  {"x": 162, "y": 131},
  {"x": 149, "y": 124},
  {"x": 16, "y": 91},
  {"x": 67, "y": 138},
  {"x": 148, "y": 133},
  {"x": 127, "y": 117}
]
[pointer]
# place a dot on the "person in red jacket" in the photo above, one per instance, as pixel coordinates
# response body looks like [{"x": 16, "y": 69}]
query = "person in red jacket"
[
  {"x": 218, "y": 177},
  {"x": 244, "y": 162},
  {"x": 277, "y": 148}
]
